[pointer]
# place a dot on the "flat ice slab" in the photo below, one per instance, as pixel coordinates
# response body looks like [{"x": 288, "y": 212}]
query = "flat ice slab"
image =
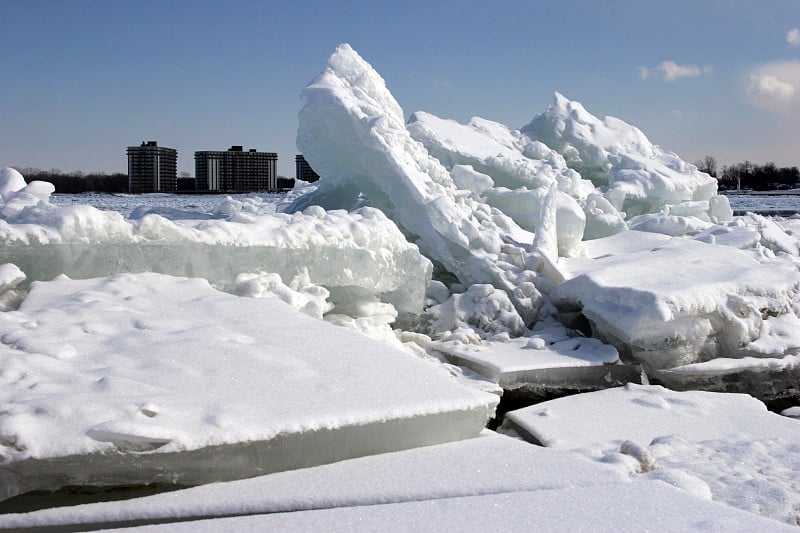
[
  {"x": 140, "y": 378},
  {"x": 465, "y": 486},
  {"x": 766, "y": 378},
  {"x": 640, "y": 413},
  {"x": 487, "y": 464},
  {"x": 541, "y": 365},
  {"x": 617, "y": 508}
]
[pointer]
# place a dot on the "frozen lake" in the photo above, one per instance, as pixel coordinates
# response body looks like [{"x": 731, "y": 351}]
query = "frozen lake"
[
  {"x": 765, "y": 202},
  {"x": 125, "y": 203},
  {"x": 206, "y": 203}
]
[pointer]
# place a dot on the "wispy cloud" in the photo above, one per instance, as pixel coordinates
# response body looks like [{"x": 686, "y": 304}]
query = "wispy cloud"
[
  {"x": 671, "y": 71},
  {"x": 775, "y": 86},
  {"x": 793, "y": 37},
  {"x": 441, "y": 83}
]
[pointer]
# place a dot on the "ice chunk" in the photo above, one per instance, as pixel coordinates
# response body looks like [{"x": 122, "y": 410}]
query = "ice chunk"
[
  {"x": 193, "y": 377},
  {"x": 301, "y": 294},
  {"x": 351, "y": 130},
  {"x": 719, "y": 208},
  {"x": 602, "y": 219},
  {"x": 525, "y": 208},
  {"x": 10, "y": 277},
  {"x": 522, "y": 172},
  {"x": 772, "y": 235},
  {"x": 766, "y": 378},
  {"x": 640, "y": 177},
  {"x": 482, "y": 309},
  {"x": 725, "y": 447},
  {"x": 467, "y": 178},
  {"x": 683, "y": 302},
  {"x": 641, "y": 413},
  {"x": 493, "y": 149},
  {"x": 466, "y": 484},
  {"x": 10, "y": 181},
  {"x": 549, "y": 360},
  {"x": 356, "y": 255},
  {"x": 668, "y": 224},
  {"x": 546, "y": 241}
]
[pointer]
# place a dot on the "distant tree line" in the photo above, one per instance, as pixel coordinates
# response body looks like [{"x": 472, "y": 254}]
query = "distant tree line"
[
  {"x": 77, "y": 182},
  {"x": 749, "y": 175}
]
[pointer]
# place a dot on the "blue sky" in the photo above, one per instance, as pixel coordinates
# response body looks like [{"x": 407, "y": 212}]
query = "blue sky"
[{"x": 81, "y": 80}]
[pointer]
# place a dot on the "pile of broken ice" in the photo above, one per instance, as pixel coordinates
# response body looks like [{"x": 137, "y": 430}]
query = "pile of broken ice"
[
  {"x": 571, "y": 254},
  {"x": 570, "y": 217}
]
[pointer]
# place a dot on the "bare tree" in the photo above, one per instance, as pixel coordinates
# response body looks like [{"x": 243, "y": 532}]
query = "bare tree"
[{"x": 708, "y": 165}]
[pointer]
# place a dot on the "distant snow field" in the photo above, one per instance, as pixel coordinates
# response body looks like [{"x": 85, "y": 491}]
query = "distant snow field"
[
  {"x": 331, "y": 358},
  {"x": 127, "y": 203}
]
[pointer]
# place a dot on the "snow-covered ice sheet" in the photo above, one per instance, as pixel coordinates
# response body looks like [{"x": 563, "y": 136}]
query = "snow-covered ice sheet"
[
  {"x": 151, "y": 363},
  {"x": 550, "y": 358},
  {"x": 725, "y": 447},
  {"x": 545, "y": 363},
  {"x": 643, "y": 412},
  {"x": 523, "y": 353},
  {"x": 597, "y": 486},
  {"x": 684, "y": 301},
  {"x": 725, "y": 365},
  {"x": 488, "y": 464},
  {"x": 617, "y": 508}
]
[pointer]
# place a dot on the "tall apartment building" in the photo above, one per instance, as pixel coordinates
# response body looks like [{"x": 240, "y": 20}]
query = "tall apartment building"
[
  {"x": 303, "y": 171},
  {"x": 152, "y": 168},
  {"x": 235, "y": 170}
]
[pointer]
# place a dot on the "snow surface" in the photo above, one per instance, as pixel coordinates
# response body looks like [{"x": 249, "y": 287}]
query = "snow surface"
[
  {"x": 612, "y": 509},
  {"x": 152, "y": 363},
  {"x": 643, "y": 412},
  {"x": 571, "y": 247},
  {"x": 689, "y": 302},
  {"x": 725, "y": 447},
  {"x": 470, "y": 485},
  {"x": 549, "y": 346}
]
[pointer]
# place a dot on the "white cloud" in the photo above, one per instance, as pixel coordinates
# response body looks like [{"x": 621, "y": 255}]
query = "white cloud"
[
  {"x": 441, "y": 83},
  {"x": 670, "y": 71},
  {"x": 793, "y": 37},
  {"x": 769, "y": 86},
  {"x": 775, "y": 87}
]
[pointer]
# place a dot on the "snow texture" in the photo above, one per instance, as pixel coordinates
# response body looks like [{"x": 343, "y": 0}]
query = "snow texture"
[
  {"x": 725, "y": 447},
  {"x": 151, "y": 363},
  {"x": 464, "y": 485}
]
